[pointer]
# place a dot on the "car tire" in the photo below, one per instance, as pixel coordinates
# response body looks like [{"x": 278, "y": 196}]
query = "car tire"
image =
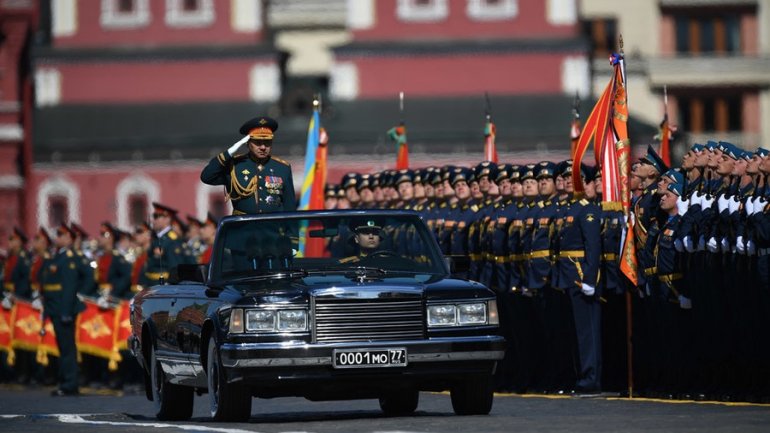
[
  {"x": 228, "y": 401},
  {"x": 473, "y": 396},
  {"x": 400, "y": 403},
  {"x": 172, "y": 402}
]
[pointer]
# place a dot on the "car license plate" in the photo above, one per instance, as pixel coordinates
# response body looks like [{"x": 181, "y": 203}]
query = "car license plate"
[{"x": 362, "y": 358}]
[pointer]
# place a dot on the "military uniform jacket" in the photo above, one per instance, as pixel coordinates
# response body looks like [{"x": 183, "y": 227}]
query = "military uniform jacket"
[
  {"x": 165, "y": 254},
  {"x": 16, "y": 275},
  {"x": 59, "y": 278},
  {"x": 612, "y": 231},
  {"x": 542, "y": 219},
  {"x": 113, "y": 274},
  {"x": 579, "y": 243},
  {"x": 253, "y": 186},
  {"x": 667, "y": 263}
]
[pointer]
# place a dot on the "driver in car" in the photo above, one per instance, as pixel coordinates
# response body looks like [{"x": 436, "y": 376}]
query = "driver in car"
[{"x": 367, "y": 236}]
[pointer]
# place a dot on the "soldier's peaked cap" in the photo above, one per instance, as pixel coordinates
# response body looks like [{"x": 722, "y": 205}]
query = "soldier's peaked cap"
[
  {"x": 261, "y": 128},
  {"x": 162, "y": 208},
  {"x": 652, "y": 158}
]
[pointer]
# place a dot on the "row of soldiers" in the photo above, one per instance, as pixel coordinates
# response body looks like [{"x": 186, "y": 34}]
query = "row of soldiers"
[
  {"x": 60, "y": 272},
  {"x": 698, "y": 317}
]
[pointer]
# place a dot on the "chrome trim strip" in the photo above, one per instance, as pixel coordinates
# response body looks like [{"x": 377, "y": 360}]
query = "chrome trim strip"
[
  {"x": 495, "y": 355},
  {"x": 359, "y": 344}
]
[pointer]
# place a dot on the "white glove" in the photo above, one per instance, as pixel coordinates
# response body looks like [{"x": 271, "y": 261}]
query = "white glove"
[
  {"x": 237, "y": 145},
  {"x": 748, "y": 208},
  {"x": 7, "y": 301},
  {"x": 701, "y": 243},
  {"x": 688, "y": 245},
  {"x": 587, "y": 289},
  {"x": 739, "y": 245},
  {"x": 733, "y": 205},
  {"x": 685, "y": 303},
  {"x": 103, "y": 303},
  {"x": 707, "y": 202},
  {"x": 682, "y": 206},
  {"x": 695, "y": 198},
  {"x": 712, "y": 245},
  {"x": 526, "y": 292},
  {"x": 725, "y": 245},
  {"x": 759, "y": 205},
  {"x": 722, "y": 203},
  {"x": 37, "y": 304},
  {"x": 678, "y": 245},
  {"x": 751, "y": 247}
]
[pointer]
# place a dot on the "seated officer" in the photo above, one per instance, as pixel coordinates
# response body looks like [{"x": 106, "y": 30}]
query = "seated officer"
[
  {"x": 256, "y": 182},
  {"x": 367, "y": 237}
]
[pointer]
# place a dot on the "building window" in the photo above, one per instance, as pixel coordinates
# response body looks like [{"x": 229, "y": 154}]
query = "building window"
[
  {"x": 422, "y": 10},
  {"x": 138, "y": 209},
  {"x": 125, "y": 14},
  {"x": 699, "y": 114},
  {"x": 492, "y": 10},
  {"x": 603, "y": 34},
  {"x": 189, "y": 13},
  {"x": 708, "y": 34},
  {"x": 58, "y": 211}
]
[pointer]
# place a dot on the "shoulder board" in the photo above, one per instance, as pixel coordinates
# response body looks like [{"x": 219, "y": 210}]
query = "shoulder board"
[
  {"x": 583, "y": 201},
  {"x": 349, "y": 259},
  {"x": 240, "y": 157},
  {"x": 70, "y": 253},
  {"x": 172, "y": 235},
  {"x": 540, "y": 204},
  {"x": 282, "y": 161},
  {"x": 474, "y": 208}
]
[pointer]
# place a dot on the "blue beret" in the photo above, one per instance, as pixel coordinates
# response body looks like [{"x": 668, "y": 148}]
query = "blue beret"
[
  {"x": 675, "y": 175},
  {"x": 676, "y": 188},
  {"x": 260, "y": 127},
  {"x": 711, "y": 145},
  {"x": 761, "y": 151},
  {"x": 697, "y": 147}
]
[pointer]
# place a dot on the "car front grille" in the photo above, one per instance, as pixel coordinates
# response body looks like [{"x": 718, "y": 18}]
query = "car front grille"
[{"x": 350, "y": 320}]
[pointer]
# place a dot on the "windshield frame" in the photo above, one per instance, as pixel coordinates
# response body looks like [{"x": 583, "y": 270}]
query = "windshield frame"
[{"x": 436, "y": 264}]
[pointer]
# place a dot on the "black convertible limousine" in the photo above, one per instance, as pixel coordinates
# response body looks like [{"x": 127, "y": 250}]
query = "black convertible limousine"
[{"x": 326, "y": 305}]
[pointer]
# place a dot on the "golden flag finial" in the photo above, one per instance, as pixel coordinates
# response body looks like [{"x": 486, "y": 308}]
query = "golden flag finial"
[{"x": 621, "y": 43}]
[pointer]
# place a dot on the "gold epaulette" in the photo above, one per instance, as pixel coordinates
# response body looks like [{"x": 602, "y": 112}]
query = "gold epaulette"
[
  {"x": 221, "y": 158},
  {"x": 172, "y": 235},
  {"x": 282, "y": 161},
  {"x": 540, "y": 204},
  {"x": 583, "y": 201},
  {"x": 475, "y": 208},
  {"x": 70, "y": 253},
  {"x": 349, "y": 259},
  {"x": 240, "y": 157}
]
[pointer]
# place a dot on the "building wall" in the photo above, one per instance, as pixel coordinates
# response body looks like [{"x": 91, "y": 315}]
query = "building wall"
[{"x": 97, "y": 23}]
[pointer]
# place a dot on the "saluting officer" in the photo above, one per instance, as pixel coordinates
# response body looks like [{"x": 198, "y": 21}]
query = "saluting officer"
[
  {"x": 256, "y": 182},
  {"x": 60, "y": 278}
]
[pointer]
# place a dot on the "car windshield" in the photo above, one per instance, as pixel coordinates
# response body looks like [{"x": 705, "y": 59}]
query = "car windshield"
[{"x": 385, "y": 244}]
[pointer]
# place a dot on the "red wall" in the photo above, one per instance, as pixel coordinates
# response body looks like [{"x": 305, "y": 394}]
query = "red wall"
[
  {"x": 459, "y": 75},
  {"x": 90, "y": 33},
  {"x": 161, "y": 81},
  {"x": 530, "y": 23}
]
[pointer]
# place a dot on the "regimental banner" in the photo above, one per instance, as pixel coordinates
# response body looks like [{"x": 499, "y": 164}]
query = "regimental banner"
[
  {"x": 6, "y": 333},
  {"x": 27, "y": 325},
  {"x": 47, "y": 344},
  {"x": 124, "y": 326},
  {"x": 95, "y": 333}
]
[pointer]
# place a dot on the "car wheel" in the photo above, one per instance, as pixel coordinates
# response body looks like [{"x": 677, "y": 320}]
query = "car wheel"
[
  {"x": 473, "y": 396},
  {"x": 400, "y": 403},
  {"x": 172, "y": 402},
  {"x": 227, "y": 401}
]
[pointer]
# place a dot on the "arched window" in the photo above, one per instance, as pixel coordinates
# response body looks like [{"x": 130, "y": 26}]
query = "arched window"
[
  {"x": 58, "y": 201},
  {"x": 211, "y": 198},
  {"x": 134, "y": 195}
]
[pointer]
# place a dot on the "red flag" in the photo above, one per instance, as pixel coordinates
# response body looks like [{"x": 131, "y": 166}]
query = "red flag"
[
  {"x": 315, "y": 247},
  {"x": 27, "y": 325},
  {"x": 47, "y": 345},
  {"x": 124, "y": 326},
  {"x": 6, "y": 333},
  {"x": 95, "y": 332},
  {"x": 398, "y": 135},
  {"x": 490, "y": 149}
]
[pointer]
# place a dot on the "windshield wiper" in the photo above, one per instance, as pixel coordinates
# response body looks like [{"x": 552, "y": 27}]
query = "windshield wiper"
[{"x": 281, "y": 274}]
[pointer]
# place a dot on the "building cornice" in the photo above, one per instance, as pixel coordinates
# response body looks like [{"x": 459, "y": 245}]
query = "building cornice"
[
  {"x": 133, "y": 54},
  {"x": 455, "y": 47}
]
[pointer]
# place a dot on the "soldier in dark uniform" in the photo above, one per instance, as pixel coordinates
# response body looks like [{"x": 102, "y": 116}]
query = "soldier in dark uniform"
[
  {"x": 256, "y": 182},
  {"x": 577, "y": 272},
  {"x": 165, "y": 251},
  {"x": 113, "y": 271},
  {"x": 462, "y": 214},
  {"x": 60, "y": 278},
  {"x": 16, "y": 284}
]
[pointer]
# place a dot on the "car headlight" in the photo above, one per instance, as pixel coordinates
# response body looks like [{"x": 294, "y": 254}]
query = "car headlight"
[
  {"x": 292, "y": 320},
  {"x": 442, "y": 315},
  {"x": 260, "y": 320},
  {"x": 463, "y": 314}
]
